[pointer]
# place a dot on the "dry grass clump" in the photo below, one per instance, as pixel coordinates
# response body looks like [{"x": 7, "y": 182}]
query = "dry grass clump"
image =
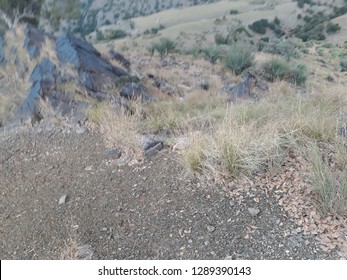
[
  {"x": 330, "y": 183},
  {"x": 120, "y": 125},
  {"x": 197, "y": 111}
]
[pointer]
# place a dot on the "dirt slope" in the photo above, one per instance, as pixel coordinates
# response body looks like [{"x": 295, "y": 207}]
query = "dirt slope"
[{"x": 148, "y": 211}]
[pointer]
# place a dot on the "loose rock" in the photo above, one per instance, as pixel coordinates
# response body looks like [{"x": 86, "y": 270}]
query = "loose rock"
[{"x": 254, "y": 211}]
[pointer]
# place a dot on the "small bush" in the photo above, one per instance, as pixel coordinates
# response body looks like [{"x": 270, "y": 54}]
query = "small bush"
[
  {"x": 115, "y": 34},
  {"x": 220, "y": 39},
  {"x": 279, "y": 69},
  {"x": 99, "y": 35},
  {"x": 343, "y": 64},
  {"x": 211, "y": 53},
  {"x": 298, "y": 74},
  {"x": 277, "y": 21},
  {"x": 276, "y": 69},
  {"x": 332, "y": 27},
  {"x": 239, "y": 58},
  {"x": 259, "y": 26},
  {"x": 233, "y": 12},
  {"x": 164, "y": 47}
]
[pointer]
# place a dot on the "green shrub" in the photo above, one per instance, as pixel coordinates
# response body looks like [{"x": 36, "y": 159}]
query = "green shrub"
[
  {"x": 279, "y": 69},
  {"x": 220, "y": 39},
  {"x": 164, "y": 47},
  {"x": 277, "y": 21},
  {"x": 99, "y": 35},
  {"x": 211, "y": 53},
  {"x": 115, "y": 34},
  {"x": 259, "y": 26},
  {"x": 343, "y": 64},
  {"x": 239, "y": 58},
  {"x": 332, "y": 27},
  {"x": 298, "y": 74},
  {"x": 276, "y": 69},
  {"x": 301, "y": 3},
  {"x": 121, "y": 81},
  {"x": 234, "y": 12}
]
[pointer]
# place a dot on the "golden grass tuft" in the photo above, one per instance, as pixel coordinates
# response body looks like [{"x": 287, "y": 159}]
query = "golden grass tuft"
[{"x": 120, "y": 125}]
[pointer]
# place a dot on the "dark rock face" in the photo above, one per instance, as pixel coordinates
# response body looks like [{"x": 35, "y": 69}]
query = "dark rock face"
[
  {"x": 79, "y": 65},
  {"x": 33, "y": 41},
  {"x": 243, "y": 90},
  {"x": 135, "y": 91},
  {"x": 112, "y": 54},
  {"x": 95, "y": 72},
  {"x": 43, "y": 80}
]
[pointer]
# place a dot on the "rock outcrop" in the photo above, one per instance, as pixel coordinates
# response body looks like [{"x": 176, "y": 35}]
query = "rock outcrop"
[
  {"x": 243, "y": 90},
  {"x": 67, "y": 78}
]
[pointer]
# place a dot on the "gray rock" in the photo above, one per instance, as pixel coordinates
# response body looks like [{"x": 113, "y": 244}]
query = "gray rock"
[
  {"x": 153, "y": 150},
  {"x": 81, "y": 130},
  {"x": 254, "y": 211},
  {"x": 113, "y": 154},
  {"x": 62, "y": 199},
  {"x": 294, "y": 241},
  {"x": 211, "y": 228},
  {"x": 84, "y": 252}
]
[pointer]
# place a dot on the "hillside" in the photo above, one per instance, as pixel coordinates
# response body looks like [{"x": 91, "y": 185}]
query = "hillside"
[{"x": 214, "y": 131}]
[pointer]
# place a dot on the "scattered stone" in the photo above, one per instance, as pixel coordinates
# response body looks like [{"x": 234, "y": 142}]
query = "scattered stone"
[
  {"x": 113, "y": 154},
  {"x": 155, "y": 149},
  {"x": 342, "y": 131},
  {"x": 204, "y": 85},
  {"x": 63, "y": 199},
  {"x": 211, "y": 228},
  {"x": 294, "y": 241},
  {"x": 254, "y": 211},
  {"x": 81, "y": 130},
  {"x": 84, "y": 252},
  {"x": 228, "y": 258},
  {"x": 89, "y": 168}
]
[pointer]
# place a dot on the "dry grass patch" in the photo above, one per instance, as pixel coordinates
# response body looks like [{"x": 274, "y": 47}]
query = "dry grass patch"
[
  {"x": 196, "y": 111},
  {"x": 119, "y": 125},
  {"x": 329, "y": 183}
]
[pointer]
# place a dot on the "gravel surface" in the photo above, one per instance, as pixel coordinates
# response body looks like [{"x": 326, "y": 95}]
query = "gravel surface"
[{"x": 62, "y": 197}]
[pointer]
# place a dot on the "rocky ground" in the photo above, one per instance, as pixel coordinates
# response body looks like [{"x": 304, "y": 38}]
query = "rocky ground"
[{"x": 62, "y": 197}]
